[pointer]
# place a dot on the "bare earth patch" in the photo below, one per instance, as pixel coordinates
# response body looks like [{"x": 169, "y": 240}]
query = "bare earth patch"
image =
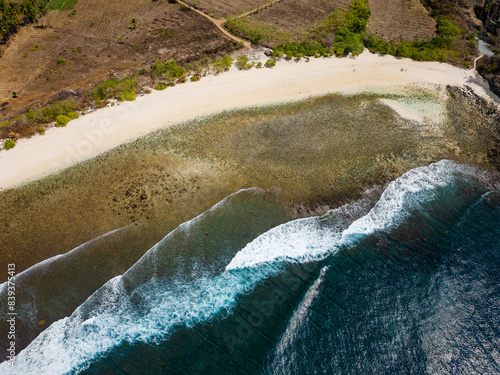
[
  {"x": 96, "y": 42},
  {"x": 400, "y": 20}
]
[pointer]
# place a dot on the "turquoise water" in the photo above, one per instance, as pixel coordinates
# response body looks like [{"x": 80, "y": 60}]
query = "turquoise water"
[{"x": 409, "y": 285}]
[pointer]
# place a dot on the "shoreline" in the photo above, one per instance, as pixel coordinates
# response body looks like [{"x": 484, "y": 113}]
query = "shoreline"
[{"x": 106, "y": 128}]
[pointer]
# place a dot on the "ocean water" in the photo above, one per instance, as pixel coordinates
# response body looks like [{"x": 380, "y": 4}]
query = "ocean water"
[{"x": 407, "y": 285}]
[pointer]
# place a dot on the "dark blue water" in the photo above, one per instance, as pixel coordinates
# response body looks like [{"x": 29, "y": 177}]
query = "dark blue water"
[{"x": 409, "y": 286}]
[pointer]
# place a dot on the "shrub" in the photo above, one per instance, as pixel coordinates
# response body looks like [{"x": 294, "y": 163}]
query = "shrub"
[
  {"x": 242, "y": 63},
  {"x": 158, "y": 69},
  {"x": 40, "y": 129},
  {"x": 62, "y": 120},
  {"x": 30, "y": 115},
  {"x": 174, "y": 71},
  {"x": 160, "y": 86},
  {"x": 270, "y": 63},
  {"x": 129, "y": 95},
  {"x": 50, "y": 113},
  {"x": 259, "y": 65},
  {"x": 9, "y": 143},
  {"x": 72, "y": 115},
  {"x": 61, "y": 60},
  {"x": 222, "y": 64},
  {"x": 447, "y": 28}
]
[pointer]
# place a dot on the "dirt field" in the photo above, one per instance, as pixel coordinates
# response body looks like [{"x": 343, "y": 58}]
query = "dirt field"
[
  {"x": 400, "y": 20},
  {"x": 96, "y": 41},
  {"x": 222, "y": 9},
  {"x": 291, "y": 19}
]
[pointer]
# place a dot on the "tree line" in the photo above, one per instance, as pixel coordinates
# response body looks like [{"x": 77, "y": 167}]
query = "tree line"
[{"x": 29, "y": 10}]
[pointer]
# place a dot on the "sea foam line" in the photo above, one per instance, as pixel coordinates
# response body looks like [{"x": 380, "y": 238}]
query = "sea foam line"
[{"x": 111, "y": 316}]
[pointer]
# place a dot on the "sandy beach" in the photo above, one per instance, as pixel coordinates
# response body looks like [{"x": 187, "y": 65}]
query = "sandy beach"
[{"x": 109, "y": 127}]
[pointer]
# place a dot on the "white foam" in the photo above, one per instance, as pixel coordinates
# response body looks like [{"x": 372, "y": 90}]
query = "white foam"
[
  {"x": 410, "y": 191},
  {"x": 300, "y": 240},
  {"x": 70, "y": 344},
  {"x": 111, "y": 317}
]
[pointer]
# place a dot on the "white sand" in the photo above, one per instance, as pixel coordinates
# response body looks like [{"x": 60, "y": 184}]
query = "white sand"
[{"x": 106, "y": 128}]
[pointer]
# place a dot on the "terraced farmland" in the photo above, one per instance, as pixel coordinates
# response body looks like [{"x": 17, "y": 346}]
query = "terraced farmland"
[
  {"x": 400, "y": 20},
  {"x": 222, "y": 9},
  {"x": 287, "y": 20}
]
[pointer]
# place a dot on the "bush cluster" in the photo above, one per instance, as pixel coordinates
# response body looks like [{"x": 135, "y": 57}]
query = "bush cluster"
[
  {"x": 439, "y": 48},
  {"x": 348, "y": 27},
  {"x": 115, "y": 89},
  {"x": 242, "y": 62}
]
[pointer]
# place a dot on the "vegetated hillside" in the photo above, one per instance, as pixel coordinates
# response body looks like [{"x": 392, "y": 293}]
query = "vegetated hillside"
[
  {"x": 396, "y": 20},
  {"x": 75, "y": 48},
  {"x": 481, "y": 17},
  {"x": 222, "y": 9}
]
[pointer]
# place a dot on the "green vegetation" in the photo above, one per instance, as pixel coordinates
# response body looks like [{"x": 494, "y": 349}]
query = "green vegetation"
[
  {"x": 222, "y": 64},
  {"x": 270, "y": 63},
  {"x": 115, "y": 89},
  {"x": 163, "y": 33},
  {"x": 160, "y": 86},
  {"x": 489, "y": 65},
  {"x": 174, "y": 71},
  {"x": 257, "y": 35},
  {"x": 61, "y": 60},
  {"x": 72, "y": 115},
  {"x": 346, "y": 28},
  {"x": 446, "y": 28},
  {"x": 51, "y": 112},
  {"x": 9, "y": 21},
  {"x": 62, "y": 120},
  {"x": 169, "y": 70},
  {"x": 61, "y": 4},
  {"x": 133, "y": 24},
  {"x": 242, "y": 63},
  {"x": 443, "y": 47},
  {"x": 30, "y": 115},
  {"x": 9, "y": 143}
]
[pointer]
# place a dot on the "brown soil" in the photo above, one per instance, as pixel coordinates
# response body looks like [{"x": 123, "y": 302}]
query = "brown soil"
[
  {"x": 296, "y": 16},
  {"x": 96, "y": 42},
  {"x": 223, "y": 9},
  {"x": 400, "y": 20}
]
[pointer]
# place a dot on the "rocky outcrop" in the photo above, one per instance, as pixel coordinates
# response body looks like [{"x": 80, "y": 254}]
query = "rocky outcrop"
[{"x": 489, "y": 14}]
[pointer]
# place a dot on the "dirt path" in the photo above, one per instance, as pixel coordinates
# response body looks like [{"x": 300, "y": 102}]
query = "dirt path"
[
  {"x": 475, "y": 61},
  {"x": 219, "y": 24}
]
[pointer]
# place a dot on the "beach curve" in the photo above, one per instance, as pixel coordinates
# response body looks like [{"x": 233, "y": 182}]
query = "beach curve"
[{"x": 109, "y": 127}]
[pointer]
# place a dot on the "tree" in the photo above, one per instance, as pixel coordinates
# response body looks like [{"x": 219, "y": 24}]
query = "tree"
[
  {"x": 30, "y": 9},
  {"x": 9, "y": 22}
]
